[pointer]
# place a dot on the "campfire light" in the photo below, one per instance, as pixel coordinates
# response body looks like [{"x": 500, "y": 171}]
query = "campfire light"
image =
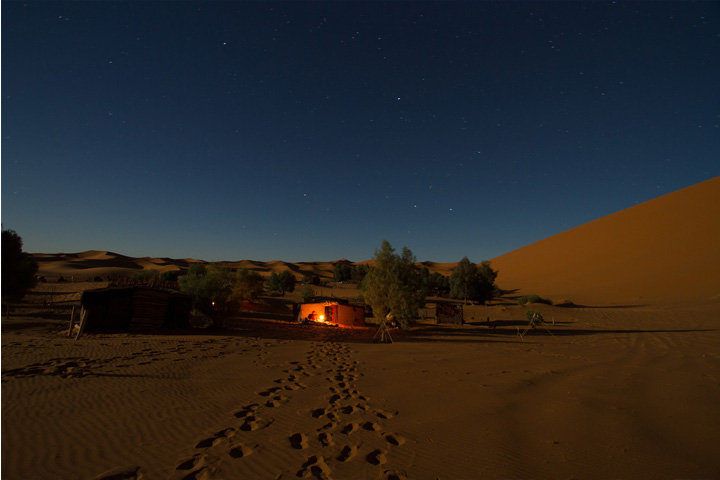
[{"x": 322, "y": 318}]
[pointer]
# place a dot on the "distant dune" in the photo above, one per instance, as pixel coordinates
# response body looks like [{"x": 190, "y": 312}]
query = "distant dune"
[{"x": 665, "y": 250}]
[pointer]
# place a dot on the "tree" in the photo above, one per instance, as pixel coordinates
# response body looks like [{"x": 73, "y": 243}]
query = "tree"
[
  {"x": 307, "y": 292},
  {"x": 394, "y": 285},
  {"x": 472, "y": 282},
  {"x": 433, "y": 283},
  {"x": 18, "y": 268},
  {"x": 282, "y": 282},
  {"x": 210, "y": 285},
  {"x": 342, "y": 272},
  {"x": 247, "y": 285},
  {"x": 359, "y": 272}
]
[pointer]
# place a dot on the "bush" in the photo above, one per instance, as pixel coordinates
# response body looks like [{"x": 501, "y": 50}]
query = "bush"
[
  {"x": 153, "y": 276},
  {"x": 247, "y": 285},
  {"x": 147, "y": 276},
  {"x": 210, "y": 286},
  {"x": 170, "y": 276},
  {"x": 533, "y": 299},
  {"x": 534, "y": 317},
  {"x": 473, "y": 282},
  {"x": 18, "y": 268},
  {"x": 282, "y": 282},
  {"x": 307, "y": 292}
]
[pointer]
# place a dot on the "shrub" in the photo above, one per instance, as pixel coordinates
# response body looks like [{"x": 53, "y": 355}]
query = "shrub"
[
  {"x": 210, "y": 285},
  {"x": 282, "y": 282},
  {"x": 473, "y": 282},
  {"x": 342, "y": 272},
  {"x": 170, "y": 276},
  {"x": 18, "y": 268},
  {"x": 147, "y": 276},
  {"x": 247, "y": 285},
  {"x": 307, "y": 292},
  {"x": 533, "y": 299},
  {"x": 535, "y": 317}
]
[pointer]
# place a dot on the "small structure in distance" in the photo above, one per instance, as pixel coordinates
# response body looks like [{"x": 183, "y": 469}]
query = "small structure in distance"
[{"x": 332, "y": 312}]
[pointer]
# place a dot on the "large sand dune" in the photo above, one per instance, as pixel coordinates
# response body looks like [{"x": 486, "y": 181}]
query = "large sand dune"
[{"x": 666, "y": 249}]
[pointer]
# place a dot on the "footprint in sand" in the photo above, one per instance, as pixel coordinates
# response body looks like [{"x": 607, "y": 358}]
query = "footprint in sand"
[
  {"x": 377, "y": 457},
  {"x": 276, "y": 401},
  {"x": 384, "y": 414},
  {"x": 295, "y": 386},
  {"x": 298, "y": 441},
  {"x": 246, "y": 411},
  {"x": 315, "y": 466},
  {"x": 350, "y": 428},
  {"x": 326, "y": 440},
  {"x": 196, "y": 464},
  {"x": 394, "y": 439},
  {"x": 269, "y": 391},
  {"x": 371, "y": 426},
  {"x": 217, "y": 438},
  {"x": 240, "y": 451},
  {"x": 347, "y": 453},
  {"x": 130, "y": 472},
  {"x": 390, "y": 475},
  {"x": 250, "y": 424},
  {"x": 326, "y": 427}
]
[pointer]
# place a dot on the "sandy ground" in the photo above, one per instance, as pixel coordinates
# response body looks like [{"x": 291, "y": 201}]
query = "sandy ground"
[{"x": 619, "y": 392}]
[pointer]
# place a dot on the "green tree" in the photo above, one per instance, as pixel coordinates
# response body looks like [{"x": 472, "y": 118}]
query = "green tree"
[
  {"x": 342, "y": 272},
  {"x": 247, "y": 285},
  {"x": 472, "y": 282},
  {"x": 210, "y": 285},
  {"x": 359, "y": 272},
  {"x": 394, "y": 285},
  {"x": 282, "y": 282},
  {"x": 306, "y": 292},
  {"x": 433, "y": 283},
  {"x": 18, "y": 268}
]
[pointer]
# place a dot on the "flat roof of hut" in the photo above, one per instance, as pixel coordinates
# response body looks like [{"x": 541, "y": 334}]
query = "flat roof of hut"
[{"x": 138, "y": 307}]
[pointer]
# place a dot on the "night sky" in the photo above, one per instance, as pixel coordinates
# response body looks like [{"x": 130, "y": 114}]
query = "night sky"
[{"x": 310, "y": 131}]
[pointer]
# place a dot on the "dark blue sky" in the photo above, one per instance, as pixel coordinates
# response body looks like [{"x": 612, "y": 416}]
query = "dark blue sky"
[{"x": 304, "y": 131}]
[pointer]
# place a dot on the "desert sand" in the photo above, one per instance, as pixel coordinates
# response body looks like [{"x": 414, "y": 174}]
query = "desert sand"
[{"x": 623, "y": 384}]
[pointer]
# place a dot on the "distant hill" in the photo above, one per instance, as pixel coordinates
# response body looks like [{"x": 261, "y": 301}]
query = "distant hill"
[{"x": 665, "y": 249}]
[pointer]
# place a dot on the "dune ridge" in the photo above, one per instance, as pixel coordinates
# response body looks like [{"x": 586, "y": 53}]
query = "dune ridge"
[{"x": 664, "y": 249}]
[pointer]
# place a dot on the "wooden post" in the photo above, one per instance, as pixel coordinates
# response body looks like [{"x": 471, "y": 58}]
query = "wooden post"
[
  {"x": 72, "y": 318},
  {"x": 83, "y": 318}
]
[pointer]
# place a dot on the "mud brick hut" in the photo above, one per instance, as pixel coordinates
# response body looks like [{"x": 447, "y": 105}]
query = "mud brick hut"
[
  {"x": 335, "y": 313},
  {"x": 449, "y": 313},
  {"x": 139, "y": 307}
]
